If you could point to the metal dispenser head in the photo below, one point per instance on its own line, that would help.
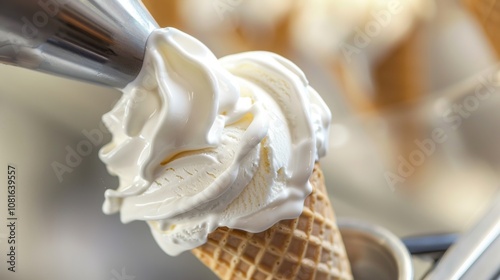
(97, 41)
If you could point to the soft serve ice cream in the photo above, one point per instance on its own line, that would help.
(200, 143)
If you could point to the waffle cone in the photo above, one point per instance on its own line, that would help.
(487, 13)
(166, 13)
(308, 247)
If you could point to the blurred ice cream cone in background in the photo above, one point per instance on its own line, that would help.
(391, 82)
(320, 30)
(166, 13)
(400, 84)
(399, 77)
(487, 13)
(372, 47)
(276, 40)
(378, 59)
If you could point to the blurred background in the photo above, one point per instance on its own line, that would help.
(412, 84)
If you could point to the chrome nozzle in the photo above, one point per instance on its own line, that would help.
(97, 41)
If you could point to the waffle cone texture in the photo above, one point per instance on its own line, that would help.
(308, 247)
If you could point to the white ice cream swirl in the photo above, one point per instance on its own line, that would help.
(200, 143)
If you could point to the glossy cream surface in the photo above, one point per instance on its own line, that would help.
(200, 143)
